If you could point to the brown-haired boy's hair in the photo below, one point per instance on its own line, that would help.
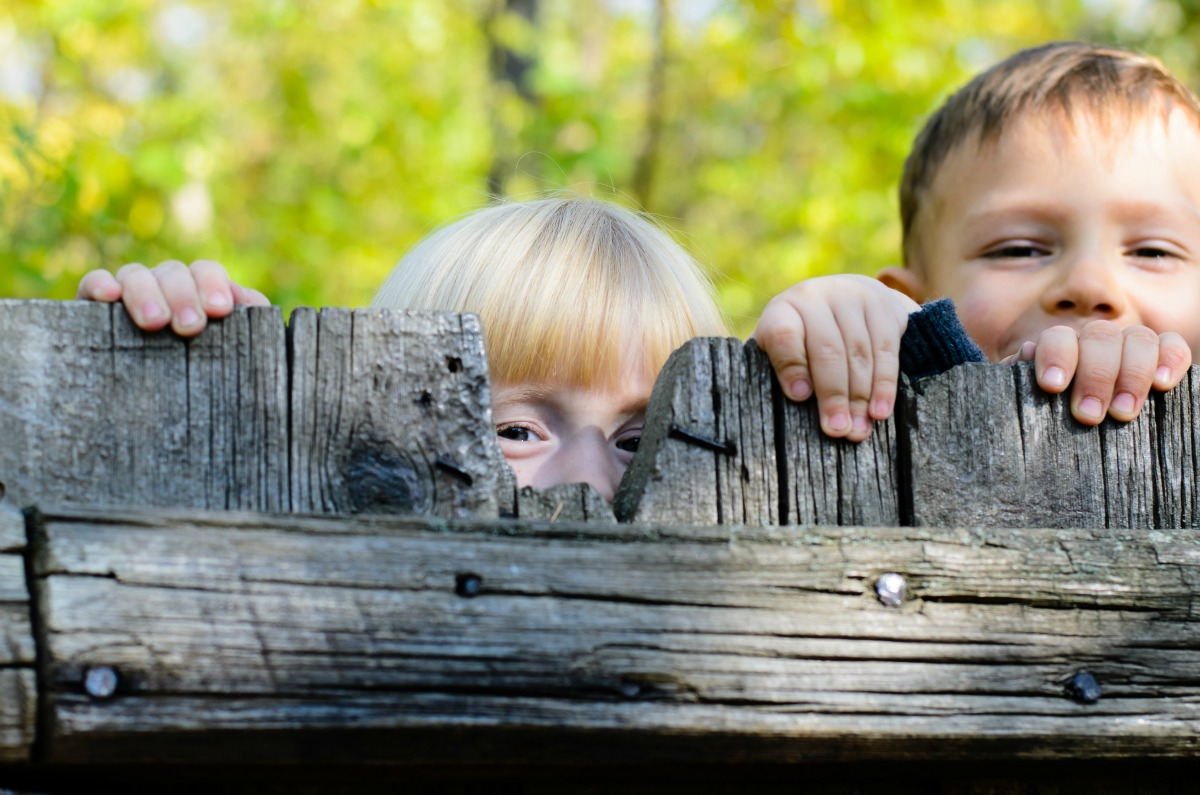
(1107, 80)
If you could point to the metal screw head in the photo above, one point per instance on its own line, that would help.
(100, 682)
(468, 584)
(890, 589)
(1084, 688)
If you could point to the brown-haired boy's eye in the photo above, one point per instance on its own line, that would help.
(1015, 252)
(630, 444)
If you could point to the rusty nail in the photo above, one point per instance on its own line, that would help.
(890, 589)
(100, 682)
(468, 584)
(1084, 688)
(728, 448)
(448, 464)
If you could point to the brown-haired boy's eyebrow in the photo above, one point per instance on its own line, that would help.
(1013, 211)
(1135, 211)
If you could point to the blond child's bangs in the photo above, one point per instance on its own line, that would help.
(572, 292)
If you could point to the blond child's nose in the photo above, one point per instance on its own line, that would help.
(581, 461)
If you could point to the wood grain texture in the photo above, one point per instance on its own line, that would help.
(756, 644)
(833, 481)
(708, 452)
(94, 412)
(18, 694)
(391, 413)
(566, 502)
(988, 447)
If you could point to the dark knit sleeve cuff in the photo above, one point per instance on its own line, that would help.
(935, 341)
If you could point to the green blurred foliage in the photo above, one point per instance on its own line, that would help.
(307, 145)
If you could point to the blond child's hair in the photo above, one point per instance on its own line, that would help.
(1113, 84)
(567, 289)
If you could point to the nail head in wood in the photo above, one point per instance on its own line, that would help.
(468, 584)
(1084, 688)
(100, 681)
(728, 448)
(890, 589)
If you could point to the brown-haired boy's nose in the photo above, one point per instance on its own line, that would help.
(1086, 288)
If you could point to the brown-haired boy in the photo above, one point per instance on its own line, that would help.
(1056, 199)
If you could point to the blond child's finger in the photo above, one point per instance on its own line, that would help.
(852, 319)
(214, 287)
(1174, 359)
(1055, 357)
(1100, 347)
(98, 285)
(143, 297)
(1139, 359)
(182, 296)
(780, 334)
(244, 296)
(830, 369)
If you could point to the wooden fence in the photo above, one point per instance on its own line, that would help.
(983, 579)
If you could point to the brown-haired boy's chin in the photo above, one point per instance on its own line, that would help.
(906, 281)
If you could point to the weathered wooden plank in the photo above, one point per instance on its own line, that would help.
(707, 455)
(767, 642)
(988, 447)
(391, 413)
(567, 502)
(18, 694)
(833, 481)
(94, 412)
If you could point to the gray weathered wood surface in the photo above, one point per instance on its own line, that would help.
(768, 644)
(984, 446)
(391, 413)
(18, 691)
(95, 412)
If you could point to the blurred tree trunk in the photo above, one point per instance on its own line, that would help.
(508, 64)
(644, 170)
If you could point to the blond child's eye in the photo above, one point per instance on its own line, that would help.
(630, 443)
(516, 433)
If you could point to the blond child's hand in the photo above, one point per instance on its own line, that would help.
(838, 337)
(1113, 367)
(184, 296)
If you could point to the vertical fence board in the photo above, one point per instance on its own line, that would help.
(18, 693)
(94, 412)
(832, 481)
(708, 453)
(990, 448)
(391, 413)
(1178, 454)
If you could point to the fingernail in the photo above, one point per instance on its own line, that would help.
(1055, 377)
(861, 425)
(880, 409)
(839, 421)
(1163, 374)
(1124, 402)
(151, 311)
(188, 317)
(800, 389)
(1090, 407)
(217, 301)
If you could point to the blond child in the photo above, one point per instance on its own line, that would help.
(1056, 199)
(581, 302)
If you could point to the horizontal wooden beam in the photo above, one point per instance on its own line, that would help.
(270, 636)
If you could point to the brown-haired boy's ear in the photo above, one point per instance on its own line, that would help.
(905, 281)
